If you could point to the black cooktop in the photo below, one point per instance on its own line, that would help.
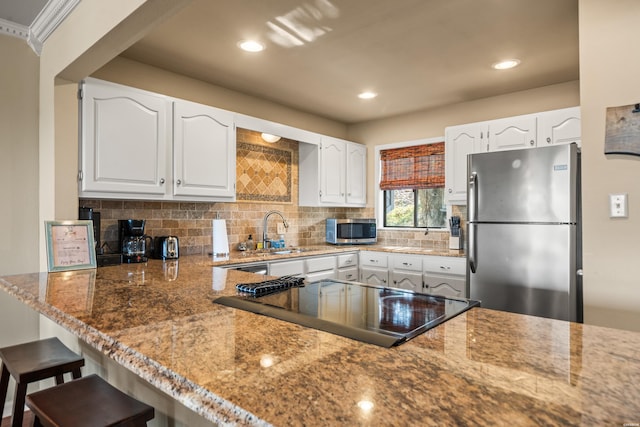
(380, 316)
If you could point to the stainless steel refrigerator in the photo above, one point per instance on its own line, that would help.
(524, 240)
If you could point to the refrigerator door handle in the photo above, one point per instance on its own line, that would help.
(473, 217)
(473, 263)
(473, 197)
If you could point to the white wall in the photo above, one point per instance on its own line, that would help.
(609, 64)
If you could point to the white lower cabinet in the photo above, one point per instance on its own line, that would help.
(374, 268)
(406, 272)
(445, 276)
(285, 268)
(348, 267)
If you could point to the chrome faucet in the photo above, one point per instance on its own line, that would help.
(264, 225)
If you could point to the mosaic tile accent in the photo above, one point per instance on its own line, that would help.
(263, 174)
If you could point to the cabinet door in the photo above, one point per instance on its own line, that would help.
(332, 170)
(512, 133)
(125, 141)
(461, 141)
(449, 286)
(560, 127)
(332, 302)
(204, 150)
(407, 280)
(356, 170)
(374, 276)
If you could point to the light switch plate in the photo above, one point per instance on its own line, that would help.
(618, 205)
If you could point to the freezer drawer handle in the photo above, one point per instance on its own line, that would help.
(473, 264)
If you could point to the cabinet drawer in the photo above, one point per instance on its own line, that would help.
(321, 264)
(286, 267)
(443, 264)
(406, 262)
(374, 259)
(348, 274)
(347, 260)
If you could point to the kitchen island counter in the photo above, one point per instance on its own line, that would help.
(483, 367)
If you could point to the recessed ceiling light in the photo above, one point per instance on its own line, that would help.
(367, 95)
(251, 46)
(506, 64)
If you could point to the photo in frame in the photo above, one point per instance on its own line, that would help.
(70, 245)
(622, 135)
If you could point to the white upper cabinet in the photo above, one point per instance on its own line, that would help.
(459, 142)
(513, 133)
(560, 127)
(204, 147)
(333, 170)
(133, 147)
(333, 173)
(126, 143)
(356, 185)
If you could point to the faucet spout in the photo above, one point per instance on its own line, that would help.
(264, 224)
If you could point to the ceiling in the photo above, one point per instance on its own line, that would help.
(21, 12)
(416, 54)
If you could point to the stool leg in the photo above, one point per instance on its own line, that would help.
(59, 379)
(18, 404)
(4, 385)
(36, 422)
(76, 374)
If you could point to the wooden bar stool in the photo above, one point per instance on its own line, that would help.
(89, 401)
(34, 361)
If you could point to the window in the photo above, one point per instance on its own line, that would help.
(412, 182)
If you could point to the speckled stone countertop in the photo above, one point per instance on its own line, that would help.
(483, 367)
(240, 257)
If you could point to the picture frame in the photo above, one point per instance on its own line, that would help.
(70, 245)
(622, 134)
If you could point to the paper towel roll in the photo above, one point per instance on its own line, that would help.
(220, 239)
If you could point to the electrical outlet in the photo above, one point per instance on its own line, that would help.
(280, 228)
(618, 205)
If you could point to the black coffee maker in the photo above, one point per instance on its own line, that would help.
(134, 244)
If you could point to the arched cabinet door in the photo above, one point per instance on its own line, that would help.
(204, 146)
(125, 140)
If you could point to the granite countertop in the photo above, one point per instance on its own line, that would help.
(241, 257)
(483, 367)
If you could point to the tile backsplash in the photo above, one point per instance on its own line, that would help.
(191, 221)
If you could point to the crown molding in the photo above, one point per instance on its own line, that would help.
(12, 29)
(52, 15)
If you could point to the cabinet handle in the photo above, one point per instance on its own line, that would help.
(161, 180)
(443, 267)
(178, 182)
(406, 263)
(373, 260)
(548, 140)
(384, 280)
(450, 191)
(532, 142)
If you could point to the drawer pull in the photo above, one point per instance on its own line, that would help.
(443, 267)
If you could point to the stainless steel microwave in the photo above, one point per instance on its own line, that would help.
(355, 231)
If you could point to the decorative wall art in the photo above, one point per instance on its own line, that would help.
(70, 245)
(263, 174)
(622, 134)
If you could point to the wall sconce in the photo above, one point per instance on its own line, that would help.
(270, 138)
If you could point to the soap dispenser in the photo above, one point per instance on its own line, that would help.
(250, 245)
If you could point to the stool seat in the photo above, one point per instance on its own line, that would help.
(34, 361)
(88, 401)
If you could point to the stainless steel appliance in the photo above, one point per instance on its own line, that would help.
(376, 315)
(135, 245)
(524, 245)
(166, 247)
(356, 231)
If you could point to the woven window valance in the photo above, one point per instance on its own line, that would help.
(420, 166)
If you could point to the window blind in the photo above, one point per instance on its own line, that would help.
(417, 167)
